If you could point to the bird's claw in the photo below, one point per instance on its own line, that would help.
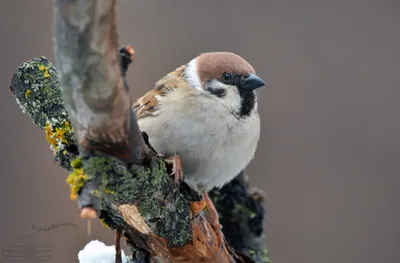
(177, 170)
(213, 218)
(220, 237)
(218, 232)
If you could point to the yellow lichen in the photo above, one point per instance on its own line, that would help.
(104, 223)
(107, 191)
(54, 137)
(49, 134)
(46, 70)
(76, 163)
(27, 93)
(96, 193)
(67, 126)
(77, 178)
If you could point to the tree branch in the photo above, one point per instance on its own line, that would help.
(111, 168)
(89, 71)
(241, 213)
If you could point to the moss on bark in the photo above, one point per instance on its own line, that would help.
(162, 206)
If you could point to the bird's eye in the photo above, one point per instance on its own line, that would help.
(226, 76)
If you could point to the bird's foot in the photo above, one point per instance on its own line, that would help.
(177, 170)
(213, 218)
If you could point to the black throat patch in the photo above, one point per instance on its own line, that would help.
(248, 98)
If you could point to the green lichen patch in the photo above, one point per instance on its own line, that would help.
(38, 92)
(258, 254)
(165, 210)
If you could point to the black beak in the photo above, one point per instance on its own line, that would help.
(253, 82)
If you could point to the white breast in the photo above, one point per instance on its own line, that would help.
(214, 144)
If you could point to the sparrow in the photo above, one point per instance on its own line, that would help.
(206, 113)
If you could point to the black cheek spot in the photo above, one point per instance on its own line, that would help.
(218, 92)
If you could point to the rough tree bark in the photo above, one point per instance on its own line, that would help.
(114, 174)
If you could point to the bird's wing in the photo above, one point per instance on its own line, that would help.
(148, 105)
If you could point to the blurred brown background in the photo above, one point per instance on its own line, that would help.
(328, 159)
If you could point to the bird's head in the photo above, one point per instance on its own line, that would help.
(226, 76)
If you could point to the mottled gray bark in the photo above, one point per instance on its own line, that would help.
(86, 52)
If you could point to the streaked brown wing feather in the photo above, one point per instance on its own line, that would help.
(149, 103)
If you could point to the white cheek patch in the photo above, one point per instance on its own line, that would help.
(231, 98)
(192, 76)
